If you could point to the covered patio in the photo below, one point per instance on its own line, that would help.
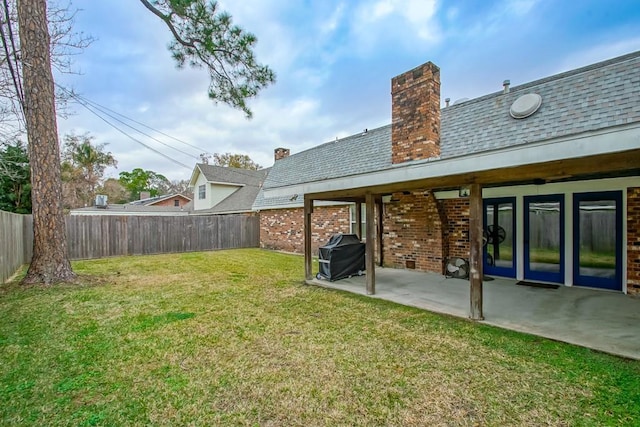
(604, 321)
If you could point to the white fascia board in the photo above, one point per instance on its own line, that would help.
(194, 176)
(228, 184)
(575, 146)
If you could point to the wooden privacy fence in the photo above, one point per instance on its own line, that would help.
(101, 236)
(104, 236)
(16, 242)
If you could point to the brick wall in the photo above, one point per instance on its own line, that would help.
(171, 202)
(633, 241)
(283, 229)
(457, 229)
(415, 114)
(413, 232)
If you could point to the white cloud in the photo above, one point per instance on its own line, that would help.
(402, 22)
(597, 53)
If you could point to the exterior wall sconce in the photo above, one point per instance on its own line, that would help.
(464, 192)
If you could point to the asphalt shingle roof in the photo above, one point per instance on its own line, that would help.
(232, 175)
(353, 155)
(595, 97)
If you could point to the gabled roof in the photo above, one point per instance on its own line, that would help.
(228, 175)
(592, 98)
(153, 200)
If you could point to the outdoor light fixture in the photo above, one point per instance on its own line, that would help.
(464, 192)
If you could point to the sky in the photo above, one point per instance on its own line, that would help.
(334, 61)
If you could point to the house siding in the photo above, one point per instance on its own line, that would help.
(633, 241)
(282, 229)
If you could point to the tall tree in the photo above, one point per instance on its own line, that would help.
(114, 190)
(139, 180)
(203, 36)
(15, 181)
(50, 263)
(241, 161)
(180, 186)
(206, 37)
(83, 166)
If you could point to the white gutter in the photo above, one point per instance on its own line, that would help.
(570, 147)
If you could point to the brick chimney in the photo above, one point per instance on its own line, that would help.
(280, 153)
(415, 114)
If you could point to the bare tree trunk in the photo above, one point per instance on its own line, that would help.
(50, 263)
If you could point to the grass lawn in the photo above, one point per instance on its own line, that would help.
(235, 338)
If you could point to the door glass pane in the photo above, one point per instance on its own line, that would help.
(544, 236)
(597, 250)
(499, 230)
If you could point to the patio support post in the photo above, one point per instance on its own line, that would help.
(475, 249)
(358, 231)
(380, 230)
(369, 256)
(308, 210)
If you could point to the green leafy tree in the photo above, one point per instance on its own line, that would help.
(83, 166)
(241, 161)
(139, 180)
(114, 190)
(206, 37)
(15, 178)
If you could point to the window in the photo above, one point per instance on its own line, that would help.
(363, 224)
(176, 203)
(202, 192)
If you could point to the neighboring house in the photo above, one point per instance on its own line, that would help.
(548, 171)
(175, 200)
(224, 190)
(170, 205)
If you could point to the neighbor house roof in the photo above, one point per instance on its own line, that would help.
(227, 175)
(129, 209)
(153, 200)
(591, 98)
(249, 183)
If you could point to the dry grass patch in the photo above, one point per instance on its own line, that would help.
(235, 338)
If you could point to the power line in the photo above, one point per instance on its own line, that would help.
(85, 102)
(134, 139)
(141, 124)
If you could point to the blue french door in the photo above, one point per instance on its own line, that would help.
(597, 240)
(544, 238)
(499, 254)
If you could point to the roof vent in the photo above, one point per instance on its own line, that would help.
(525, 105)
(460, 101)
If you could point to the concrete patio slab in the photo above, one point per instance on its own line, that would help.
(600, 320)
